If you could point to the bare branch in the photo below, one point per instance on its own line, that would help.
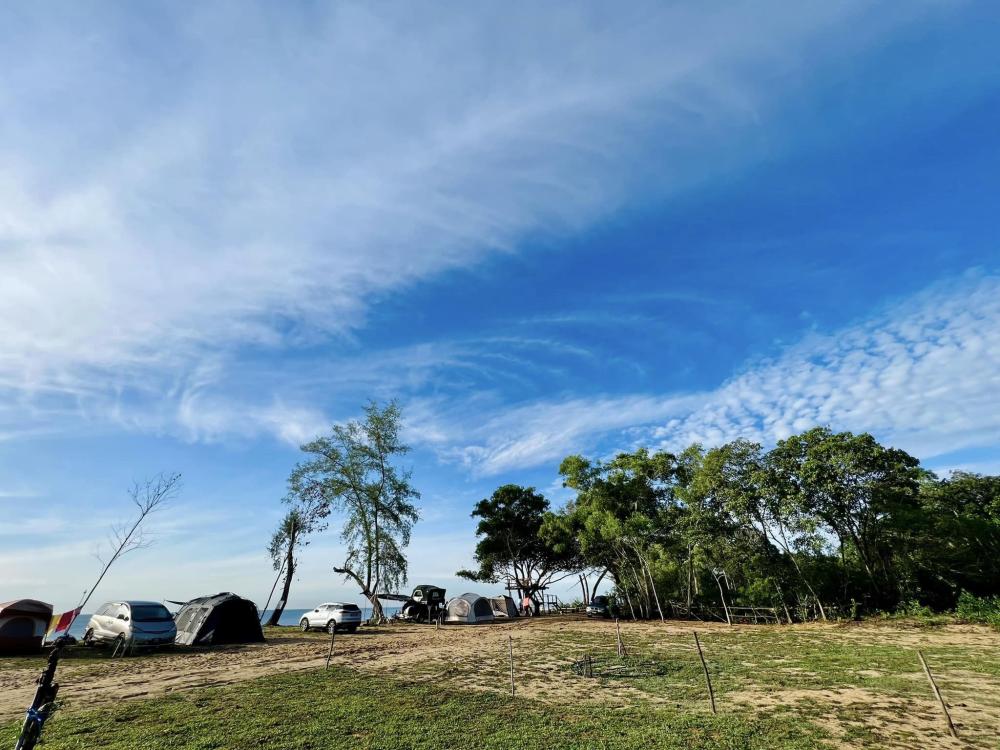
(148, 497)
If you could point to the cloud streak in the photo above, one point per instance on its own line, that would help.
(923, 374)
(255, 180)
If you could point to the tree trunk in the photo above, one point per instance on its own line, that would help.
(289, 572)
(690, 575)
(593, 589)
(378, 616)
(655, 595)
(725, 607)
(802, 577)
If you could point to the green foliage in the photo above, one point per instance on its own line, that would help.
(289, 536)
(511, 544)
(979, 609)
(823, 524)
(352, 472)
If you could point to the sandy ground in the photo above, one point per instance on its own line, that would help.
(475, 657)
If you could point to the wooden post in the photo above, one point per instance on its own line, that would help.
(729, 620)
(944, 706)
(621, 646)
(510, 645)
(704, 666)
(333, 637)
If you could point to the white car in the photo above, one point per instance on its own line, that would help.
(144, 623)
(332, 616)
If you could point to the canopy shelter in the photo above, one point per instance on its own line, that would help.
(423, 605)
(469, 609)
(22, 625)
(503, 606)
(213, 620)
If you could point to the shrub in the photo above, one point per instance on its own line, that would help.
(984, 610)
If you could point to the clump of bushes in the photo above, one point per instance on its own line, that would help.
(984, 610)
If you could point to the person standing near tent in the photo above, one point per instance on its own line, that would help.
(527, 606)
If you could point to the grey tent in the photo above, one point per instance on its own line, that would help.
(503, 606)
(469, 609)
(223, 618)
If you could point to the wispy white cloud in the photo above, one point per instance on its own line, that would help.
(256, 179)
(536, 433)
(923, 374)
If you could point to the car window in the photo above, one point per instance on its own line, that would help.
(150, 613)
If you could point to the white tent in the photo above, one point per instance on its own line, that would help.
(469, 609)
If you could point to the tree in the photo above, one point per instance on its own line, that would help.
(352, 472)
(954, 539)
(289, 536)
(855, 488)
(510, 545)
(735, 478)
(625, 513)
(148, 497)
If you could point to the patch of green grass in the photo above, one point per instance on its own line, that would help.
(340, 708)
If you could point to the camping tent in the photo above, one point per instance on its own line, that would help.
(223, 618)
(469, 608)
(22, 625)
(503, 606)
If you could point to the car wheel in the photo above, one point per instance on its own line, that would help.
(331, 626)
(118, 645)
(304, 625)
(88, 637)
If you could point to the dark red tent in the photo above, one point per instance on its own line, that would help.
(23, 623)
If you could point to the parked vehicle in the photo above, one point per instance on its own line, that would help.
(144, 623)
(332, 616)
(425, 604)
(601, 606)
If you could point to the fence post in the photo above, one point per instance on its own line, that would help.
(944, 706)
(510, 645)
(704, 666)
(333, 637)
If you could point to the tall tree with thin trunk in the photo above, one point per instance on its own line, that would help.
(352, 472)
(288, 538)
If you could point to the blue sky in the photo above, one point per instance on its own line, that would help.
(545, 230)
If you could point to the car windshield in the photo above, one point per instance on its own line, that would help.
(150, 613)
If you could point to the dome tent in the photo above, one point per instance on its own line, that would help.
(22, 626)
(469, 609)
(223, 618)
(503, 606)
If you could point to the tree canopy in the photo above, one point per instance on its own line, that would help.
(823, 523)
(352, 472)
(511, 548)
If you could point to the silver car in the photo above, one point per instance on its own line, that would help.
(331, 616)
(144, 623)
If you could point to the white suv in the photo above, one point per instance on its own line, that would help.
(143, 623)
(331, 616)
